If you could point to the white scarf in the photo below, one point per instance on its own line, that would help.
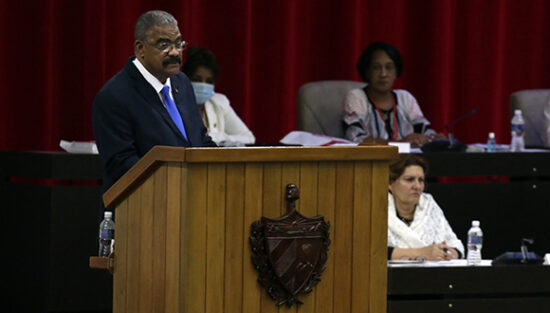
(409, 238)
(429, 226)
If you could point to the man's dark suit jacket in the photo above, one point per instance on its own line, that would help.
(129, 119)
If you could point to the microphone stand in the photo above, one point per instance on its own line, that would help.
(524, 251)
(451, 137)
(460, 118)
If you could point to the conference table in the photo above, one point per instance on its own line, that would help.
(55, 196)
(51, 206)
(430, 287)
(507, 192)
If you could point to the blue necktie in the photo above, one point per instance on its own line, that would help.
(173, 110)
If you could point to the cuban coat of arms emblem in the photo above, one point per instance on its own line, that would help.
(289, 252)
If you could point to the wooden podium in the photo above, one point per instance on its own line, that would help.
(183, 221)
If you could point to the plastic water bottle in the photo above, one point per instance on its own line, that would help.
(475, 242)
(106, 234)
(491, 143)
(518, 125)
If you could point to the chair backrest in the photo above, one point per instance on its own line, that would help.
(532, 103)
(320, 106)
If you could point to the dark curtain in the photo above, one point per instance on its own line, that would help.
(458, 55)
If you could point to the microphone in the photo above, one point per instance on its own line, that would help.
(519, 258)
(451, 144)
(456, 120)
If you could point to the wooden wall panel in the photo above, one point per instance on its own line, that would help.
(159, 239)
(120, 283)
(193, 239)
(326, 196)
(271, 205)
(343, 236)
(309, 184)
(272, 191)
(146, 249)
(175, 192)
(361, 236)
(379, 238)
(134, 248)
(307, 206)
(215, 237)
(252, 211)
(234, 203)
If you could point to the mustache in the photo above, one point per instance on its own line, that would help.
(171, 60)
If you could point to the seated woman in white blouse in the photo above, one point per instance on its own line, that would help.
(378, 113)
(223, 124)
(417, 228)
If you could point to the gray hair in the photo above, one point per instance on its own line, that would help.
(150, 19)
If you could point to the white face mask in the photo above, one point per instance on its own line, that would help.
(203, 91)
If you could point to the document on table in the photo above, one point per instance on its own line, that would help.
(450, 263)
(79, 146)
(298, 137)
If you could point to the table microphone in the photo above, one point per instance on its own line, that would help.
(519, 258)
(456, 120)
(451, 144)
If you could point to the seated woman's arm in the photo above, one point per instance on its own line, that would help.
(436, 252)
(422, 131)
(354, 114)
(234, 130)
(447, 234)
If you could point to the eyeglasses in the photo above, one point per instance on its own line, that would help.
(167, 46)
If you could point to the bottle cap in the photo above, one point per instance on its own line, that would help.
(492, 135)
(517, 112)
(475, 223)
(108, 214)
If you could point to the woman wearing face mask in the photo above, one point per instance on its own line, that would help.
(417, 227)
(377, 113)
(223, 124)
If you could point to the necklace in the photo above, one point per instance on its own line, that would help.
(407, 221)
(384, 117)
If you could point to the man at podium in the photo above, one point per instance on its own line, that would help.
(149, 102)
